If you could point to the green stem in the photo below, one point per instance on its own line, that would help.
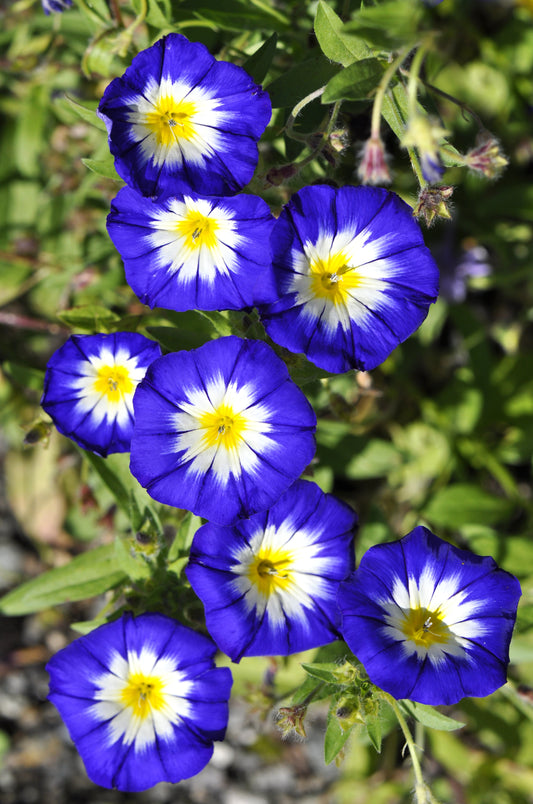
(423, 794)
(127, 35)
(289, 125)
(381, 90)
(414, 72)
(415, 164)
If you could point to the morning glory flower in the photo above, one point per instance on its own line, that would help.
(428, 621)
(55, 6)
(89, 386)
(192, 252)
(178, 120)
(142, 700)
(354, 276)
(221, 430)
(269, 583)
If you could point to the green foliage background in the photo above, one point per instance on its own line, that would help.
(441, 434)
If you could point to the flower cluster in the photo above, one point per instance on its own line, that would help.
(223, 431)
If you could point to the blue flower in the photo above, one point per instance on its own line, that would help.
(354, 276)
(428, 621)
(191, 252)
(142, 700)
(269, 584)
(55, 6)
(432, 167)
(221, 430)
(178, 120)
(89, 386)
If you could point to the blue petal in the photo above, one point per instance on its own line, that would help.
(408, 284)
(488, 598)
(250, 280)
(164, 468)
(61, 400)
(236, 627)
(245, 106)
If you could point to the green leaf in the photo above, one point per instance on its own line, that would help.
(111, 471)
(336, 736)
(84, 112)
(376, 459)
(324, 672)
(374, 730)
(155, 15)
(16, 278)
(302, 80)
(103, 167)
(258, 64)
(88, 575)
(334, 43)
(464, 503)
(389, 25)
(24, 376)
(395, 109)
(429, 716)
(355, 82)
(90, 318)
(133, 565)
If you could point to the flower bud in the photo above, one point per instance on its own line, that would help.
(487, 158)
(373, 167)
(433, 204)
(278, 175)
(291, 719)
(424, 135)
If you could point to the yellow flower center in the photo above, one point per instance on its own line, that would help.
(425, 627)
(198, 230)
(270, 570)
(223, 427)
(332, 278)
(143, 694)
(171, 120)
(113, 382)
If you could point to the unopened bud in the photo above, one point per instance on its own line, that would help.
(425, 135)
(37, 433)
(291, 719)
(487, 158)
(433, 203)
(278, 175)
(373, 167)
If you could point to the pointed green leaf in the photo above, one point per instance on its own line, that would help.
(336, 736)
(324, 672)
(85, 576)
(85, 113)
(302, 80)
(259, 63)
(356, 82)
(429, 716)
(334, 42)
(103, 167)
(395, 109)
(373, 728)
(465, 503)
(89, 317)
